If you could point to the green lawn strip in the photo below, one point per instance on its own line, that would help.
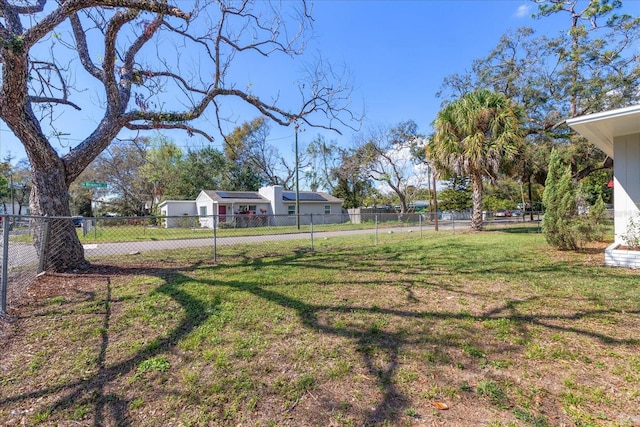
(104, 233)
(353, 333)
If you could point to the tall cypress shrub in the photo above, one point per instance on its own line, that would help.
(593, 226)
(561, 209)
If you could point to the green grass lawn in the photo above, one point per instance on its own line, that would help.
(497, 325)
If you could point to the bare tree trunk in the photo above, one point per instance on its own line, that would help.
(403, 203)
(476, 215)
(50, 195)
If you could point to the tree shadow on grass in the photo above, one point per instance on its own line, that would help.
(108, 408)
(91, 390)
(516, 230)
(375, 341)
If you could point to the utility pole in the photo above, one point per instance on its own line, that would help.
(297, 183)
(435, 201)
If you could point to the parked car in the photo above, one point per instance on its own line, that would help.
(77, 220)
(503, 213)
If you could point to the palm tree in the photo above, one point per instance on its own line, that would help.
(473, 137)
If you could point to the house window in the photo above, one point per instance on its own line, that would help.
(327, 209)
(292, 209)
(203, 211)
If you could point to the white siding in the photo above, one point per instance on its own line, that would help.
(204, 202)
(626, 184)
(176, 208)
(274, 195)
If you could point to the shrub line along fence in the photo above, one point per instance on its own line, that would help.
(193, 237)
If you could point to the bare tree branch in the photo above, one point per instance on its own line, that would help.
(137, 92)
(70, 7)
(43, 99)
(190, 130)
(25, 10)
(115, 98)
(83, 48)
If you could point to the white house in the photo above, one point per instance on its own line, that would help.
(268, 206)
(283, 205)
(174, 209)
(239, 207)
(617, 133)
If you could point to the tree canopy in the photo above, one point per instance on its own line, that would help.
(128, 58)
(591, 65)
(473, 136)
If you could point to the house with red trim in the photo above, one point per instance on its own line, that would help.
(271, 206)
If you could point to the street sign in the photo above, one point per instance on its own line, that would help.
(94, 184)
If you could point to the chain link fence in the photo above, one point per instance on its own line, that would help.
(20, 260)
(32, 245)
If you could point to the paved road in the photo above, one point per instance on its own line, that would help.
(158, 245)
(23, 260)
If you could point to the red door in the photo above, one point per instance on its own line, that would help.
(222, 211)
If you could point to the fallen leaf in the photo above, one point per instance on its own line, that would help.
(440, 405)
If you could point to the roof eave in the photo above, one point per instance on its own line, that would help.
(602, 128)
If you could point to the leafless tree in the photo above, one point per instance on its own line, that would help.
(387, 157)
(145, 64)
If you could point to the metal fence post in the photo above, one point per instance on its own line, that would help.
(311, 220)
(215, 237)
(44, 241)
(376, 222)
(4, 285)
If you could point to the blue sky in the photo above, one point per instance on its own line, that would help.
(397, 53)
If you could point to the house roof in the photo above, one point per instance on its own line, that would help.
(236, 197)
(164, 202)
(309, 197)
(601, 128)
(254, 197)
